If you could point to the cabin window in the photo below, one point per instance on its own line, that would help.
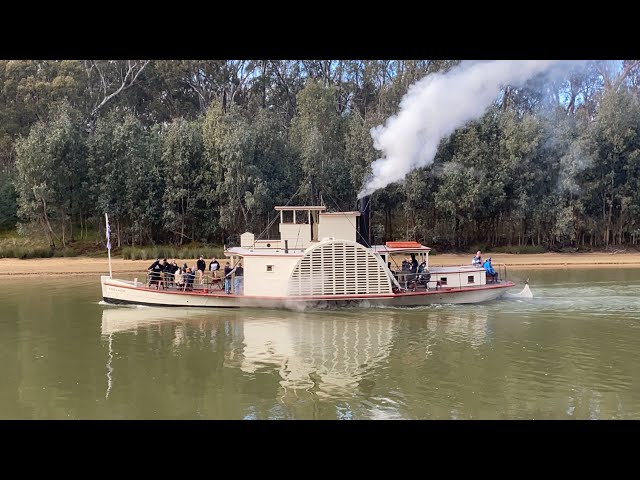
(302, 217)
(269, 268)
(287, 216)
(470, 279)
(443, 280)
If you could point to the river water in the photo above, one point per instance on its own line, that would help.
(571, 352)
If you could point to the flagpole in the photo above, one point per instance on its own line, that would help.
(106, 219)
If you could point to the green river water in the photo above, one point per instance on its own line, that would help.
(571, 352)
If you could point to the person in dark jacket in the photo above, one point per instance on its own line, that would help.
(188, 279)
(238, 282)
(214, 268)
(414, 263)
(227, 278)
(201, 266)
(167, 277)
(154, 273)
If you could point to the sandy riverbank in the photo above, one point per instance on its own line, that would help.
(99, 266)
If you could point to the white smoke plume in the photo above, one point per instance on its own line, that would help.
(435, 106)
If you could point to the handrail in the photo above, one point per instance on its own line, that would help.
(500, 268)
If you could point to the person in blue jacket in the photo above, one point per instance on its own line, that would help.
(490, 271)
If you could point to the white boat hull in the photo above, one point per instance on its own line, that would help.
(126, 292)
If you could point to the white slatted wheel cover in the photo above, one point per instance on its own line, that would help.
(339, 267)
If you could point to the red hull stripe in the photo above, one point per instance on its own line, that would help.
(322, 297)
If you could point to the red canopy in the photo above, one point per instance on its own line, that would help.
(403, 245)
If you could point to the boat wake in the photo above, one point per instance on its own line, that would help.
(525, 293)
(113, 305)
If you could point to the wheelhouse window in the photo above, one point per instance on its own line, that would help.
(443, 280)
(269, 268)
(287, 216)
(471, 279)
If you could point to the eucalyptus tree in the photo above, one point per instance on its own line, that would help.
(276, 168)
(120, 164)
(31, 87)
(317, 137)
(559, 208)
(145, 184)
(281, 81)
(207, 81)
(187, 181)
(109, 172)
(51, 171)
(28, 89)
(107, 79)
(386, 203)
(242, 191)
(8, 204)
(613, 178)
(522, 170)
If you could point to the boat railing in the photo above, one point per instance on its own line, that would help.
(166, 281)
(430, 280)
(268, 244)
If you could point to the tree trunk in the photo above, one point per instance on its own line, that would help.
(182, 222)
(62, 219)
(49, 230)
(264, 85)
(608, 227)
(621, 229)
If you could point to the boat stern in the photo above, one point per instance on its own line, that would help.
(103, 280)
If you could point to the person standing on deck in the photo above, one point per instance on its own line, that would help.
(154, 273)
(227, 278)
(166, 274)
(214, 268)
(414, 263)
(477, 260)
(188, 279)
(173, 269)
(238, 284)
(177, 277)
(201, 266)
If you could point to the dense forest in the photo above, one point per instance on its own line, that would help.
(182, 151)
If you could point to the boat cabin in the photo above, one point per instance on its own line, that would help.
(318, 254)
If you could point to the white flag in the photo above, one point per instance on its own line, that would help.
(108, 232)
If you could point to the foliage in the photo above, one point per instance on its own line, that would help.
(8, 204)
(188, 252)
(188, 151)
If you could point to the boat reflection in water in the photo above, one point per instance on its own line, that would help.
(325, 350)
(132, 318)
(329, 352)
(330, 355)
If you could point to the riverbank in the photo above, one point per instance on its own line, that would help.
(100, 266)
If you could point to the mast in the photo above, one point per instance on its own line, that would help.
(108, 230)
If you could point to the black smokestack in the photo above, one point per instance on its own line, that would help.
(364, 221)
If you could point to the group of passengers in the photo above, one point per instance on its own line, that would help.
(476, 261)
(168, 274)
(420, 273)
(411, 266)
